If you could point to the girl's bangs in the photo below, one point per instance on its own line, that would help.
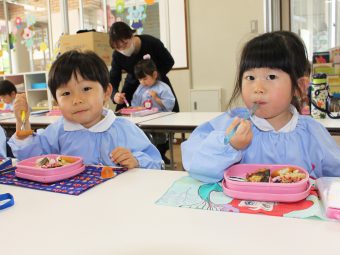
(266, 56)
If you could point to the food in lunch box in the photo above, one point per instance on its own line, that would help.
(46, 162)
(261, 175)
(287, 175)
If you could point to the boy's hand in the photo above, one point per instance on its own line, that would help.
(20, 104)
(119, 98)
(123, 157)
(153, 94)
(243, 135)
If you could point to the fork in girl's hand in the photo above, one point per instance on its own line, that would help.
(232, 132)
(23, 120)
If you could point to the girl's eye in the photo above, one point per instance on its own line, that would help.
(65, 94)
(87, 88)
(249, 78)
(271, 77)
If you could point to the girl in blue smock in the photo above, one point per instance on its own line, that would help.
(272, 72)
(79, 82)
(153, 93)
(151, 88)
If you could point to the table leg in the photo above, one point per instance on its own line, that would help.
(171, 148)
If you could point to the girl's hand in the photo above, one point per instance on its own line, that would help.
(119, 98)
(122, 156)
(243, 135)
(20, 104)
(153, 94)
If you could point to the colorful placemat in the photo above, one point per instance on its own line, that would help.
(190, 193)
(72, 186)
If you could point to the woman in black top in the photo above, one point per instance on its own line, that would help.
(129, 49)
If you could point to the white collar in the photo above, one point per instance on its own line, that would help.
(264, 125)
(101, 126)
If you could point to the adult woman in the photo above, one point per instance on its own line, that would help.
(129, 49)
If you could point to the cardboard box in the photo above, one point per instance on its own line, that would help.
(95, 41)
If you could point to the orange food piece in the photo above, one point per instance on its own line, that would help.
(22, 134)
(69, 159)
(107, 172)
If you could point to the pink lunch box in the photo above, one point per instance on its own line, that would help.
(27, 169)
(264, 191)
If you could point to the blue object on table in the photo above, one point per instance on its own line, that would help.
(6, 162)
(232, 132)
(9, 203)
(41, 85)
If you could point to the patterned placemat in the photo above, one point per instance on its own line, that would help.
(76, 185)
(189, 193)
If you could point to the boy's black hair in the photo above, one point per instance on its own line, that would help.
(7, 87)
(87, 64)
(282, 50)
(145, 67)
(119, 31)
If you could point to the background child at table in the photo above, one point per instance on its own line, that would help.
(272, 71)
(8, 92)
(79, 83)
(160, 94)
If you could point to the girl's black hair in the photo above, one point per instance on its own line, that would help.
(282, 50)
(7, 87)
(86, 64)
(119, 31)
(145, 67)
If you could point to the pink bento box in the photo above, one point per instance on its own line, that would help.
(27, 169)
(264, 191)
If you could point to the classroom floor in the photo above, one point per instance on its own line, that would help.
(178, 155)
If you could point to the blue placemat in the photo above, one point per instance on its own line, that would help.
(72, 186)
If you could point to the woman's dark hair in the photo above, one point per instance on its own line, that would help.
(282, 50)
(119, 31)
(86, 64)
(145, 67)
(7, 87)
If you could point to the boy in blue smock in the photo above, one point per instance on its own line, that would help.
(79, 82)
(273, 72)
(153, 93)
(8, 92)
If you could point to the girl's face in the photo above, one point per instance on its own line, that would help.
(272, 90)
(149, 80)
(81, 101)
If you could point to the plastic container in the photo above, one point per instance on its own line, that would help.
(27, 169)
(41, 85)
(241, 170)
(267, 196)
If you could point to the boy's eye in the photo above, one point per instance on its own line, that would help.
(271, 77)
(249, 78)
(87, 88)
(66, 93)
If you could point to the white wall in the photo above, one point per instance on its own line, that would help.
(216, 33)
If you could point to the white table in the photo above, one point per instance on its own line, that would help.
(332, 125)
(181, 122)
(121, 217)
(137, 120)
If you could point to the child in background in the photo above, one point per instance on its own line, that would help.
(153, 93)
(79, 83)
(8, 92)
(272, 71)
(3, 142)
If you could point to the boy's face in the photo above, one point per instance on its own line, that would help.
(81, 101)
(9, 98)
